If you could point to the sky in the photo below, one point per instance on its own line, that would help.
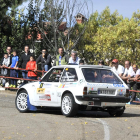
(124, 7)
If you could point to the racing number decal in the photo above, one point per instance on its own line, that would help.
(40, 90)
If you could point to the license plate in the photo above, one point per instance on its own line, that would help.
(106, 92)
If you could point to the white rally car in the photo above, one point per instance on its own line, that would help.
(75, 87)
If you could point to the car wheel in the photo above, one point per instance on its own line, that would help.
(69, 107)
(116, 113)
(21, 101)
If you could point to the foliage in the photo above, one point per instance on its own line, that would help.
(111, 36)
(105, 35)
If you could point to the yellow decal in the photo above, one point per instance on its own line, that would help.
(40, 90)
(66, 69)
(60, 86)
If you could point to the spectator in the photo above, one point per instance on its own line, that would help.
(31, 65)
(74, 59)
(81, 62)
(61, 58)
(45, 60)
(107, 62)
(128, 70)
(25, 57)
(5, 63)
(8, 50)
(101, 62)
(13, 72)
(134, 76)
(119, 69)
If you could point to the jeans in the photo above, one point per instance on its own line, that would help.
(46, 67)
(3, 73)
(25, 76)
(13, 73)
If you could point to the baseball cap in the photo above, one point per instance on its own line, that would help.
(115, 61)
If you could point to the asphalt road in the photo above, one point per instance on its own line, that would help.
(52, 125)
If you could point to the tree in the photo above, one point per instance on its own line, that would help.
(6, 20)
(110, 36)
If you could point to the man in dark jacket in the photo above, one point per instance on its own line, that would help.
(25, 57)
(45, 60)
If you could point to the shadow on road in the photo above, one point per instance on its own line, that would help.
(88, 114)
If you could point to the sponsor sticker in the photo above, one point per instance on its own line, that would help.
(91, 88)
(63, 86)
(40, 90)
(67, 85)
(100, 85)
(47, 85)
(46, 97)
(41, 85)
(120, 91)
(118, 85)
(60, 86)
(81, 81)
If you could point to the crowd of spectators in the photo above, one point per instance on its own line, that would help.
(129, 73)
(29, 65)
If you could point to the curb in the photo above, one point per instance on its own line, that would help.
(134, 103)
(7, 92)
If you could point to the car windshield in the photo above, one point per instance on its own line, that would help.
(100, 76)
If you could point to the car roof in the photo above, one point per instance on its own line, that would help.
(83, 66)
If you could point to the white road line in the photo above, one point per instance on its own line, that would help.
(106, 130)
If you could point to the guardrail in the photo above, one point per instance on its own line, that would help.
(41, 71)
(6, 77)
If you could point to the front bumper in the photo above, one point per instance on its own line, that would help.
(100, 99)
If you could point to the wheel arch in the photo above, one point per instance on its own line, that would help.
(21, 90)
(68, 91)
(65, 92)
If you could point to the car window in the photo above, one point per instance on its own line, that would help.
(53, 76)
(69, 75)
(100, 76)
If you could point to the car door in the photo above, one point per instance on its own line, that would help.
(47, 90)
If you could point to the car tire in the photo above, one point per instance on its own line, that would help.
(116, 113)
(21, 101)
(69, 107)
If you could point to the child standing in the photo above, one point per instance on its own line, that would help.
(13, 72)
(31, 65)
(5, 63)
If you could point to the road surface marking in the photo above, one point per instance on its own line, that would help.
(106, 130)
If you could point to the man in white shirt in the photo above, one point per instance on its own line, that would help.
(119, 69)
(74, 59)
(128, 70)
(134, 76)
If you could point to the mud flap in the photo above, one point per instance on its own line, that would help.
(30, 107)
